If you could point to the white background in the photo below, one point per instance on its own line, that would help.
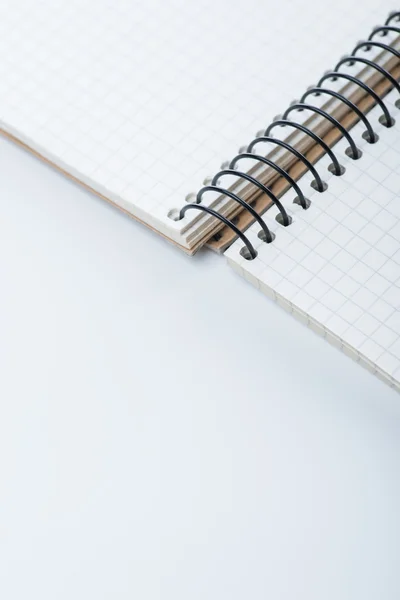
(168, 433)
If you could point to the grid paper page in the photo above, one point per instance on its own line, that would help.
(337, 266)
(142, 101)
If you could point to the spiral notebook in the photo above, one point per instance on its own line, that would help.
(152, 106)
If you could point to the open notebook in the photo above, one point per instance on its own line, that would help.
(155, 107)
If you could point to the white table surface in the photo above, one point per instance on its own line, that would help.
(168, 433)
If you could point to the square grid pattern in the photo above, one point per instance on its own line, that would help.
(143, 100)
(337, 266)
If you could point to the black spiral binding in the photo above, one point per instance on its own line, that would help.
(284, 216)
(371, 136)
(318, 184)
(350, 60)
(252, 252)
(336, 168)
(268, 236)
(393, 15)
(333, 76)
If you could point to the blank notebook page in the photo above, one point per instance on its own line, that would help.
(142, 101)
(337, 266)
